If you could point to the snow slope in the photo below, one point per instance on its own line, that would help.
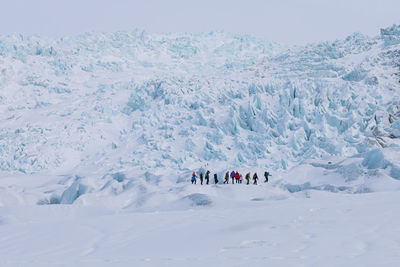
(110, 126)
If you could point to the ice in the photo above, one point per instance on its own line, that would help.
(119, 177)
(391, 35)
(118, 122)
(395, 172)
(395, 128)
(355, 75)
(375, 159)
(73, 192)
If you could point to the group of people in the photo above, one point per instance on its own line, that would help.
(235, 176)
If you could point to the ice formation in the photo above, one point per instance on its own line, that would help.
(107, 113)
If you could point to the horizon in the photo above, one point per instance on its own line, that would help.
(286, 22)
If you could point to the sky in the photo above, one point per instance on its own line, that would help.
(283, 21)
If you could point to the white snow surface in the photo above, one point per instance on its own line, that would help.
(325, 229)
(100, 134)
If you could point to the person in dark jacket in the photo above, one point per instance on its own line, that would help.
(226, 178)
(215, 178)
(248, 178)
(201, 177)
(233, 177)
(255, 178)
(207, 177)
(266, 174)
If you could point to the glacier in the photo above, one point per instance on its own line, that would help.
(101, 104)
(101, 132)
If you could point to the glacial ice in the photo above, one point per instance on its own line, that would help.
(73, 192)
(128, 104)
(375, 159)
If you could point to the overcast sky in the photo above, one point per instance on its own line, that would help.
(285, 21)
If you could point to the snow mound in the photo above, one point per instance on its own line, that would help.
(372, 171)
(198, 199)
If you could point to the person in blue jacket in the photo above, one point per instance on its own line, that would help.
(266, 175)
(194, 178)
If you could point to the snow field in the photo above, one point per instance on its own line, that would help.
(325, 229)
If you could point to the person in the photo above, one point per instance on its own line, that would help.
(207, 177)
(201, 177)
(215, 178)
(237, 177)
(240, 178)
(194, 178)
(226, 178)
(233, 177)
(248, 178)
(255, 178)
(266, 174)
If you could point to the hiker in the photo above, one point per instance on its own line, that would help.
(215, 178)
(233, 177)
(207, 177)
(201, 177)
(237, 177)
(248, 178)
(266, 174)
(240, 178)
(194, 178)
(255, 178)
(226, 178)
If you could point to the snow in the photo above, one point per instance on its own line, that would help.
(325, 229)
(101, 133)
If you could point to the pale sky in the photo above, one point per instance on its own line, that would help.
(284, 21)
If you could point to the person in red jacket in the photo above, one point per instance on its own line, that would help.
(194, 178)
(237, 177)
